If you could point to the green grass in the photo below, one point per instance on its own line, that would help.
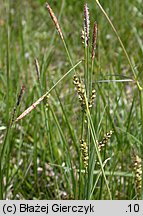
(40, 154)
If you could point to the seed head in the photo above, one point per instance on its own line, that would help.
(80, 88)
(54, 20)
(84, 152)
(93, 96)
(138, 174)
(105, 140)
(86, 24)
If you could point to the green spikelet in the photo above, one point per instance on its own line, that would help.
(82, 36)
(84, 152)
(80, 88)
(138, 174)
(47, 102)
(105, 140)
(91, 101)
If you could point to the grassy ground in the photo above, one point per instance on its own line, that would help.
(40, 154)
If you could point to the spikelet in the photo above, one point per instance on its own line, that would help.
(37, 68)
(84, 152)
(82, 36)
(20, 95)
(55, 20)
(47, 102)
(138, 174)
(80, 88)
(17, 103)
(91, 101)
(86, 24)
(105, 140)
(94, 38)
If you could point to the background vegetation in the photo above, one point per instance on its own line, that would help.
(40, 154)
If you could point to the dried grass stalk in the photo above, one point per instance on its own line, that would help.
(33, 106)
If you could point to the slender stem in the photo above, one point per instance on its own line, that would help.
(68, 54)
(82, 125)
(92, 66)
(93, 135)
(73, 67)
(121, 43)
(7, 60)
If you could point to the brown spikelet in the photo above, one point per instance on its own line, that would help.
(138, 174)
(84, 152)
(94, 38)
(20, 95)
(86, 24)
(105, 140)
(80, 88)
(54, 20)
(18, 102)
